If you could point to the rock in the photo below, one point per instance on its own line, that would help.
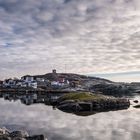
(36, 137)
(18, 138)
(18, 135)
(85, 102)
(135, 101)
(4, 131)
(4, 137)
(1, 132)
(69, 107)
(97, 106)
(67, 101)
(21, 134)
(136, 106)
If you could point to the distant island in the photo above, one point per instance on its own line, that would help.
(68, 82)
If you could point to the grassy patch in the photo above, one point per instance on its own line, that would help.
(82, 96)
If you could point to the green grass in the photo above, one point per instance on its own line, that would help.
(82, 96)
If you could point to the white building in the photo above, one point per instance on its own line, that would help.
(40, 79)
(28, 78)
(9, 83)
(32, 84)
(29, 81)
(60, 83)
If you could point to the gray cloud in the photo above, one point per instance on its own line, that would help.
(85, 35)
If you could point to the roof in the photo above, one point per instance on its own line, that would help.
(27, 76)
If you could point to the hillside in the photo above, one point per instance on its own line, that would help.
(72, 77)
(89, 83)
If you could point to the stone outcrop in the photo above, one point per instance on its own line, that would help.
(136, 106)
(135, 101)
(18, 135)
(96, 105)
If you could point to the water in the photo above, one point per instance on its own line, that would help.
(57, 125)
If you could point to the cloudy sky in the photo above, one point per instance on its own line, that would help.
(81, 36)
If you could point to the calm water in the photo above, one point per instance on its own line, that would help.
(57, 125)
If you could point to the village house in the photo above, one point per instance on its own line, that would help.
(19, 83)
(12, 83)
(9, 83)
(28, 78)
(29, 81)
(60, 83)
(40, 79)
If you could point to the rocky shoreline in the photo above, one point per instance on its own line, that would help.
(91, 103)
(6, 134)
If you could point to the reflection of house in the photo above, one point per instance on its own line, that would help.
(31, 99)
(27, 100)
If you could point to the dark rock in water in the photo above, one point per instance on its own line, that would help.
(136, 106)
(36, 137)
(69, 107)
(19, 134)
(96, 106)
(4, 137)
(135, 101)
(91, 104)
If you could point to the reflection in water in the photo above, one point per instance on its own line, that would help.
(29, 99)
(57, 125)
(70, 106)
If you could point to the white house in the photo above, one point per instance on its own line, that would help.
(40, 79)
(9, 83)
(55, 83)
(61, 82)
(29, 81)
(32, 84)
(19, 83)
(28, 78)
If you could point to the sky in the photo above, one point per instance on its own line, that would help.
(127, 77)
(77, 36)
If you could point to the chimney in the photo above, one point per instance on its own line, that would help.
(54, 71)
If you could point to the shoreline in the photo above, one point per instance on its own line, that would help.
(28, 90)
(6, 134)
